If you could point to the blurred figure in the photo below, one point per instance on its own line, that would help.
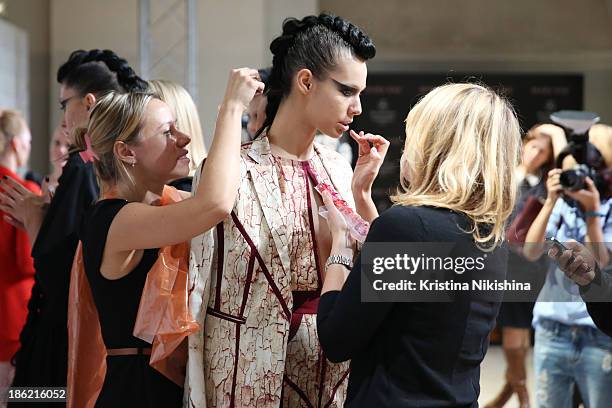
(569, 349)
(538, 157)
(59, 148)
(187, 120)
(16, 266)
(42, 359)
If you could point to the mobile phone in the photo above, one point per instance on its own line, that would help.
(558, 245)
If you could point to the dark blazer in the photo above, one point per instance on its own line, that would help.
(411, 354)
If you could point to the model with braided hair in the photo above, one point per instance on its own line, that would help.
(84, 78)
(257, 277)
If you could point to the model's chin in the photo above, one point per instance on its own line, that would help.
(335, 132)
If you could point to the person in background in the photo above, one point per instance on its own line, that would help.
(514, 319)
(187, 121)
(569, 349)
(16, 266)
(59, 149)
(42, 359)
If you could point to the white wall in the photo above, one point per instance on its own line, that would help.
(562, 36)
(32, 16)
(235, 34)
(100, 24)
(14, 68)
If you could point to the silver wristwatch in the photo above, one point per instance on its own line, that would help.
(343, 260)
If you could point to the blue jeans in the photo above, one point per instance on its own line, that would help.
(566, 355)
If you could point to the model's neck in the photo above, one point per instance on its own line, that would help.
(290, 135)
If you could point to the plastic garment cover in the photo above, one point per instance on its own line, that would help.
(163, 319)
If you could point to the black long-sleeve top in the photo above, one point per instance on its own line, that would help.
(598, 298)
(410, 354)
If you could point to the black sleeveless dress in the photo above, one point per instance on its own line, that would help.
(130, 380)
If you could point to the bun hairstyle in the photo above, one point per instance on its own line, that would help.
(12, 123)
(315, 43)
(116, 117)
(98, 72)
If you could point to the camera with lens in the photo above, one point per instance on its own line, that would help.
(591, 163)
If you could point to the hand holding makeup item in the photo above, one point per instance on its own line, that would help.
(357, 226)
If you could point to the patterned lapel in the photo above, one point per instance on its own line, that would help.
(337, 170)
(265, 180)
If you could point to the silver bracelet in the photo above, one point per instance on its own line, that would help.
(343, 260)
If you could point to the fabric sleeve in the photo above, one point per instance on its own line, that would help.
(598, 298)
(23, 247)
(76, 191)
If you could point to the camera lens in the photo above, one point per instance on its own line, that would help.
(573, 180)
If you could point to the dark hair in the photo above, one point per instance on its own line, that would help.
(264, 74)
(315, 43)
(98, 72)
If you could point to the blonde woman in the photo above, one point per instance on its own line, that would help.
(458, 185)
(187, 120)
(136, 147)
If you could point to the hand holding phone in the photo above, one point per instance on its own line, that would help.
(557, 248)
(578, 264)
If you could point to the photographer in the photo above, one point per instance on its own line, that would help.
(569, 349)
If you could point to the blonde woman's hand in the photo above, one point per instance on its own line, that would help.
(553, 185)
(372, 152)
(242, 86)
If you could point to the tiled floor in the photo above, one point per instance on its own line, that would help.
(492, 377)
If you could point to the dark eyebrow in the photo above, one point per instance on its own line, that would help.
(345, 86)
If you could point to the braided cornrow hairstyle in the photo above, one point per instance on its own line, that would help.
(315, 43)
(99, 71)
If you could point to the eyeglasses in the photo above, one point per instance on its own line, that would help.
(64, 102)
